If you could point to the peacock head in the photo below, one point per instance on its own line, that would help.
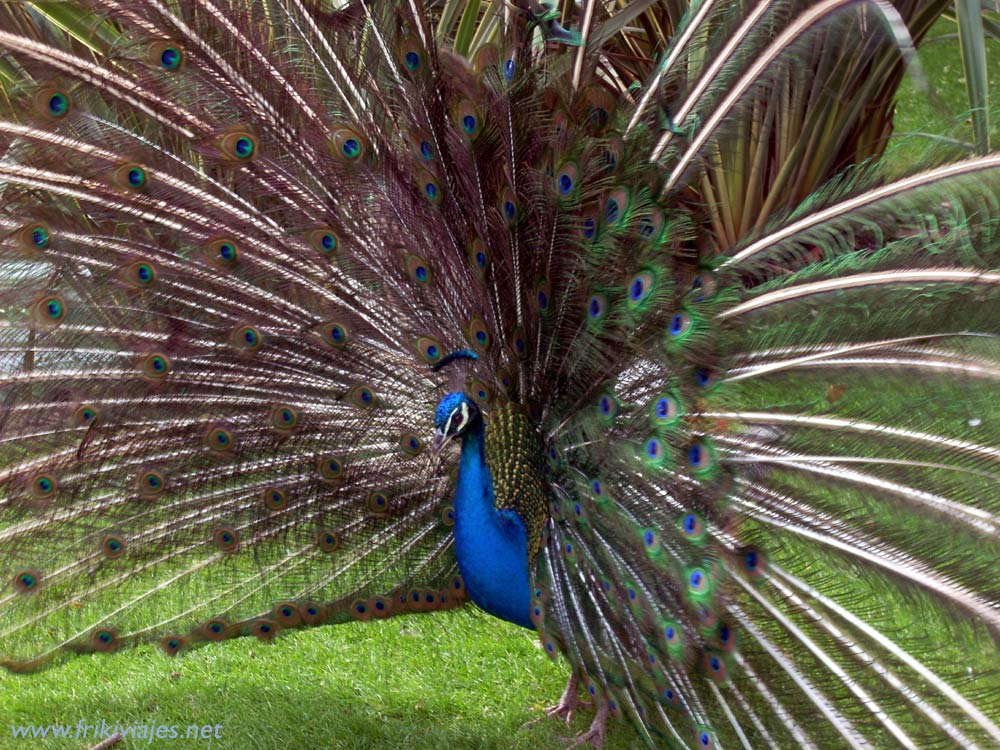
(455, 414)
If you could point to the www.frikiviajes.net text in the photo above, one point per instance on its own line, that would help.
(102, 730)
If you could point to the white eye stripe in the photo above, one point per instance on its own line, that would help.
(465, 417)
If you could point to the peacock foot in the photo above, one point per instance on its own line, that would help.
(595, 733)
(567, 706)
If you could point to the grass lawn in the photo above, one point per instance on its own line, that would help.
(456, 680)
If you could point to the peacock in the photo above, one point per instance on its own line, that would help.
(607, 318)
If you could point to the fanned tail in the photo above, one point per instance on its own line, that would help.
(776, 507)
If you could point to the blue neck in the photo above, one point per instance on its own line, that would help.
(491, 545)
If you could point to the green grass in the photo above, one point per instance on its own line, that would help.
(454, 680)
(921, 118)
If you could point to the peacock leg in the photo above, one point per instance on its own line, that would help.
(567, 705)
(569, 702)
(595, 733)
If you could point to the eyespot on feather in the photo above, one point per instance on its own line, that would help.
(699, 583)
(284, 418)
(51, 103)
(519, 342)
(509, 208)
(155, 366)
(587, 226)
(430, 349)
(508, 66)
(328, 541)
(705, 378)
(363, 396)
(49, 311)
(597, 309)
(753, 562)
(274, 499)
(222, 252)
(701, 457)
(348, 146)
(600, 108)
(478, 334)
(616, 206)
(423, 146)
(113, 546)
(479, 257)
(104, 640)
(607, 408)
(504, 380)
(479, 391)
(671, 637)
(611, 155)
(264, 630)
(139, 274)
(649, 228)
(692, 527)
(468, 119)
(704, 738)
(34, 237)
(417, 269)
(43, 485)
(286, 614)
(151, 483)
(312, 613)
(679, 326)
(665, 410)
(654, 452)
(550, 645)
(27, 581)
(216, 630)
(85, 415)
(562, 126)
(703, 286)
(411, 55)
(411, 444)
(245, 338)
(237, 145)
(542, 301)
(429, 186)
(171, 645)
(219, 439)
(378, 503)
(640, 289)
(324, 241)
(567, 180)
(361, 611)
(727, 637)
(335, 334)
(330, 468)
(652, 542)
(226, 538)
(130, 176)
(165, 55)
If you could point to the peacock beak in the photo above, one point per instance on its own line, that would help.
(439, 442)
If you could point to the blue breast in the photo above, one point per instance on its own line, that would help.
(491, 545)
